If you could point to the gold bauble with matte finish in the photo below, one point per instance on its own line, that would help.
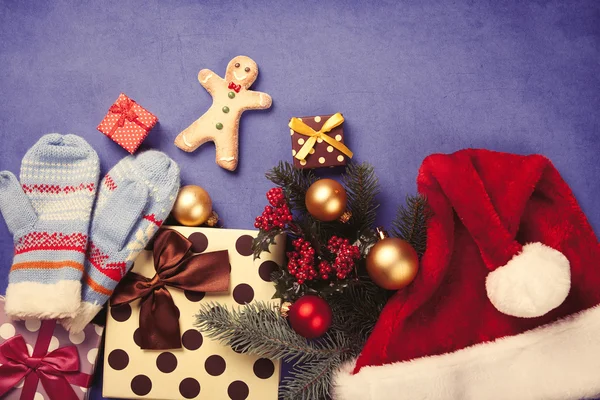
(193, 206)
(392, 263)
(326, 200)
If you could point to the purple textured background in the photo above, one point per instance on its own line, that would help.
(411, 77)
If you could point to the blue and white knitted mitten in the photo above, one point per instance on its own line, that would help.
(134, 198)
(48, 214)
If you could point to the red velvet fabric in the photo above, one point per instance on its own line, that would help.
(486, 205)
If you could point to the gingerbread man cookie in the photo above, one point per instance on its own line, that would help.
(220, 123)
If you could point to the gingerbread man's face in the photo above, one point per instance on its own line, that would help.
(242, 70)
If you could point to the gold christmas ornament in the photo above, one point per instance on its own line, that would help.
(193, 206)
(326, 200)
(392, 263)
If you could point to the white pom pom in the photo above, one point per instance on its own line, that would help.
(532, 283)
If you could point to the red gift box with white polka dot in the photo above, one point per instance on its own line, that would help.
(87, 343)
(127, 123)
(202, 368)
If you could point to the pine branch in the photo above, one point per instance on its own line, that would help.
(295, 183)
(310, 381)
(410, 223)
(362, 187)
(360, 302)
(257, 328)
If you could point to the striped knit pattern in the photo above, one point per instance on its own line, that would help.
(134, 198)
(48, 214)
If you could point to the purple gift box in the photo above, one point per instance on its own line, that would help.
(46, 337)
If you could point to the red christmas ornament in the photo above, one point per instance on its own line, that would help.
(310, 316)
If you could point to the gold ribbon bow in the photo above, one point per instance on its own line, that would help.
(300, 127)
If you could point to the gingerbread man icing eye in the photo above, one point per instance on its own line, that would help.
(237, 65)
(247, 69)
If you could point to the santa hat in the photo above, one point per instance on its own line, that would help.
(505, 304)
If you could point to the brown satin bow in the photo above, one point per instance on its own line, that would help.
(178, 267)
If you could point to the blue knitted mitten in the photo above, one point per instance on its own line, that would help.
(48, 214)
(134, 199)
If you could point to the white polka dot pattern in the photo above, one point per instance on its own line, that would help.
(53, 344)
(33, 325)
(7, 330)
(91, 355)
(131, 134)
(87, 346)
(77, 338)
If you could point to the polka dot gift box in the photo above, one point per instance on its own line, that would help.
(201, 368)
(127, 123)
(318, 141)
(51, 342)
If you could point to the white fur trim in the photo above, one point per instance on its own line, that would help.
(44, 301)
(85, 314)
(557, 361)
(533, 282)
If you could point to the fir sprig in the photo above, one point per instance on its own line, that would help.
(362, 187)
(310, 381)
(258, 328)
(356, 303)
(360, 302)
(295, 183)
(410, 223)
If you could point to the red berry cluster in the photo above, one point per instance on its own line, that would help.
(301, 261)
(277, 215)
(346, 256)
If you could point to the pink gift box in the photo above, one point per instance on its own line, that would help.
(39, 334)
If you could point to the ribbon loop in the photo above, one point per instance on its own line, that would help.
(176, 267)
(124, 108)
(300, 127)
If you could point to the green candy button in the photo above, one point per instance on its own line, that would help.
(225, 109)
(231, 95)
(219, 126)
